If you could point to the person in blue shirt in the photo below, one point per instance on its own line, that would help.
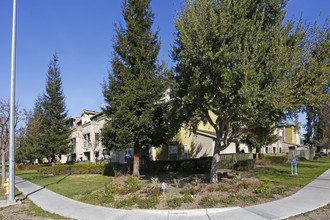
(294, 163)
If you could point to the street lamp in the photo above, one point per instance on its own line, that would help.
(11, 196)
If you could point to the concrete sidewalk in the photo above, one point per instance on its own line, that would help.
(313, 196)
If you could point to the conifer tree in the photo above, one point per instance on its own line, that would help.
(135, 86)
(54, 118)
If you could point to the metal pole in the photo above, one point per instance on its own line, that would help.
(11, 196)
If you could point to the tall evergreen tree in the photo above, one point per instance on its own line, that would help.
(57, 131)
(233, 62)
(135, 86)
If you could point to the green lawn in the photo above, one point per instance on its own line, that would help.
(281, 173)
(71, 185)
(67, 185)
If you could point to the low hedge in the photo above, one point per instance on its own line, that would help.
(245, 165)
(110, 169)
(277, 159)
(30, 166)
(195, 165)
(269, 160)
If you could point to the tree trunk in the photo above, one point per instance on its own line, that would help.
(53, 161)
(215, 163)
(257, 154)
(3, 162)
(136, 162)
(214, 168)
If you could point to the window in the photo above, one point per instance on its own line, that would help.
(280, 150)
(185, 151)
(274, 150)
(87, 141)
(266, 150)
(128, 155)
(173, 152)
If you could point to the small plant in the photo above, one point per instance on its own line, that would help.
(195, 180)
(154, 193)
(154, 182)
(247, 198)
(177, 182)
(208, 202)
(236, 191)
(244, 185)
(237, 178)
(210, 189)
(188, 198)
(264, 190)
(222, 188)
(147, 203)
(190, 191)
(110, 190)
(132, 184)
(229, 200)
(175, 202)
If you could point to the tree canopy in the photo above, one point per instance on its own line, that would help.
(235, 59)
(135, 86)
(54, 115)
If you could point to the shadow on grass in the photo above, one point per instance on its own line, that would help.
(270, 171)
(56, 182)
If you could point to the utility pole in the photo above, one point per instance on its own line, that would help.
(11, 197)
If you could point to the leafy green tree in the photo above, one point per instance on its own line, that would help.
(135, 88)
(260, 136)
(33, 144)
(234, 61)
(313, 87)
(54, 116)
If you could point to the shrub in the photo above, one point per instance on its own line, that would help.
(188, 198)
(29, 166)
(175, 202)
(265, 161)
(147, 203)
(261, 156)
(264, 190)
(244, 185)
(277, 159)
(154, 193)
(86, 168)
(244, 165)
(110, 190)
(301, 158)
(154, 182)
(195, 180)
(132, 184)
(117, 169)
(188, 166)
(177, 182)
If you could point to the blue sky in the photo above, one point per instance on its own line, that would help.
(81, 32)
